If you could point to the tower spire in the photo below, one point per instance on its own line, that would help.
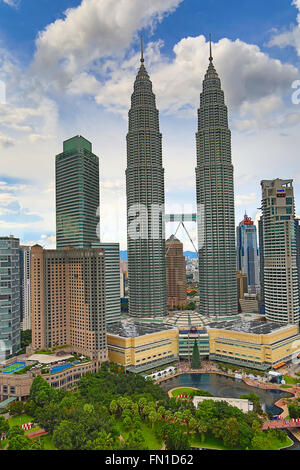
(210, 49)
(142, 50)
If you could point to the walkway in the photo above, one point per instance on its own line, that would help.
(280, 424)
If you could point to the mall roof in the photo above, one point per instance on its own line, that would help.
(251, 327)
(133, 329)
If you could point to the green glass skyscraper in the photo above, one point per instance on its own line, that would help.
(77, 195)
(145, 204)
(215, 201)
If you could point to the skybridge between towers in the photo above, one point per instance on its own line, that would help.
(181, 218)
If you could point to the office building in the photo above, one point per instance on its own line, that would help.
(10, 317)
(297, 228)
(215, 202)
(248, 254)
(256, 344)
(25, 303)
(77, 195)
(68, 300)
(142, 346)
(112, 282)
(261, 264)
(176, 273)
(242, 284)
(145, 204)
(280, 266)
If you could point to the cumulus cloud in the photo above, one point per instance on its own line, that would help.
(289, 37)
(245, 199)
(254, 83)
(92, 31)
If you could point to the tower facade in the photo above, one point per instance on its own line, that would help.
(176, 273)
(77, 195)
(215, 202)
(247, 253)
(68, 300)
(297, 228)
(280, 266)
(112, 282)
(10, 318)
(25, 304)
(145, 204)
(261, 263)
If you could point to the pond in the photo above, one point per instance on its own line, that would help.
(226, 387)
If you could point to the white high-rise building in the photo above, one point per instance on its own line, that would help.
(25, 304)
(279, 244)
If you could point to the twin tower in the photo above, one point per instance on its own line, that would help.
(146, 198)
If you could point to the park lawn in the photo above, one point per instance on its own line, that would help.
(212, 443)
(151, 441)
(276, 444)
(209, 443)
(182, 391)
(290, 380)
(47, 441)
(18, 420)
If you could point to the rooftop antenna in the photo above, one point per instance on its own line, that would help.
(210, 49)
(142, 50)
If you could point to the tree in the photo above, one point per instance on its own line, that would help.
(196, 361)
(36, 444)
(41, 393)
(135, 441)
(104, 441)
(49, 416)
(16, 408)
(261, 441)
(4, 426)
(174, 437)
(15, 431)
(19, 442)
(231, 433)
(69, 435)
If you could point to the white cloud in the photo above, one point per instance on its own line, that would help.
(289, 37)
(94, 30)
(254, 84)
(12, 3)
(245, 199)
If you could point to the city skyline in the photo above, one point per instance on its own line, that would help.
(50, 114)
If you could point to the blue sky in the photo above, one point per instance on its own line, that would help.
(69, 68)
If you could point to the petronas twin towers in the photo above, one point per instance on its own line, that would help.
(146, 199)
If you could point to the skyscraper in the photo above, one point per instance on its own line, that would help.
(77, 195)
(297, 228)
(215, 202)
(176, 273)
(10, 318)
(25, 305)
(112, 281)
(247, 253)
(280, 268)
(261, 263)
(145, 203)
(68, 300)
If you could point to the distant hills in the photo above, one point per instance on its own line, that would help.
(187, 254)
